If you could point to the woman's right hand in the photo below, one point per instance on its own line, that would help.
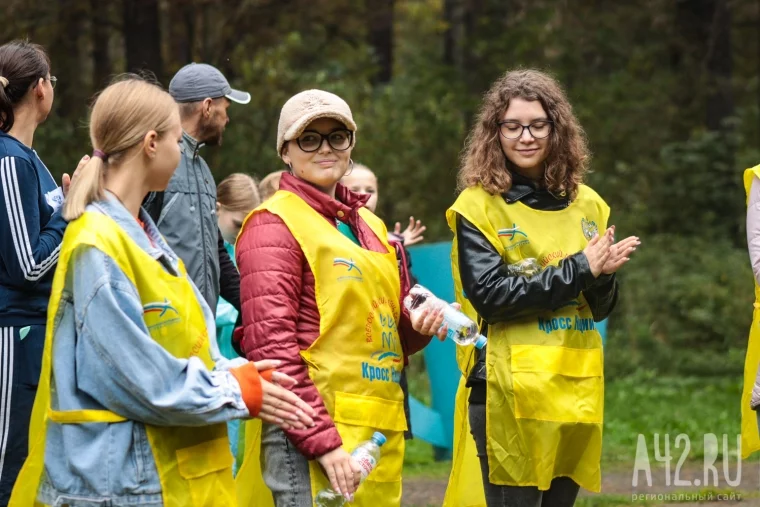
(343, 472)
(620, 253)
(283, 408)
(67, 181)
(277, 404)
(598, 250)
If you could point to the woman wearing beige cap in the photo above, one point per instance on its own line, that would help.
(321, 291)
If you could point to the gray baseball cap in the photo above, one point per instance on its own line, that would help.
(199, 81)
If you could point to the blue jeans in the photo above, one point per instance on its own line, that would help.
(285, 469)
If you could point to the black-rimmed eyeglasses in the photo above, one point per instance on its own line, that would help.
(512, 130)
(311, 141)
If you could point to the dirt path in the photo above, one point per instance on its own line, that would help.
(421, 492)
(692, 475)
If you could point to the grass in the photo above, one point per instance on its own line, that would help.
(645, 404)
(607, 501)
(419, 462)
(648, 404)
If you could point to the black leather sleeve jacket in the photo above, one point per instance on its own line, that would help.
(498, 296)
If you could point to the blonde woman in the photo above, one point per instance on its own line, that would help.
(133, 396)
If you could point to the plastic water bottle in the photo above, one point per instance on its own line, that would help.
(366, 454)
(461, 328)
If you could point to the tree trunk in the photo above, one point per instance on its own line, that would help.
(101, 57)
(142, 37)
(380, 18)
(67, 61)
(693, 19)
(454, 13)
(720, 99)
(180, 33)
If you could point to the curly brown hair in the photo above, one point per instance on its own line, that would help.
(483, 161)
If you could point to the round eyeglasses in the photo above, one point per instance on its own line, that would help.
(512, 130)
(311, 140)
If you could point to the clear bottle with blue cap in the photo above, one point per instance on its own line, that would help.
(461, 328)
(367, 455)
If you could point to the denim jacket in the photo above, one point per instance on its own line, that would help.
(104, 358)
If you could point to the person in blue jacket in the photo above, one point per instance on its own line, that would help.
(31, 230)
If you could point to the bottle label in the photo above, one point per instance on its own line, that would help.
(365, 460)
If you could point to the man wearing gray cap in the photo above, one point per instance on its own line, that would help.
(186, 211)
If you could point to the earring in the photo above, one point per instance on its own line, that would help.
(350, 161)
(290, 168)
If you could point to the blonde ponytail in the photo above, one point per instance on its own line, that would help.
(120, 118)
(88, 189)
(238, 192)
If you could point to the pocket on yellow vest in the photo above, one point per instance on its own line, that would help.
(558, 383)
(207, 468)
(357, 417)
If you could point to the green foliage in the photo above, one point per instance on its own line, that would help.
(685, 306)
(693, 189)
(638, 79)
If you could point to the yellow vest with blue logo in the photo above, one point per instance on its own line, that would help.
(194, 463)
(356, 361)
(750, 435)
(545, 390)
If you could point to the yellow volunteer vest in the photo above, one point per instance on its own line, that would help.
(465, 488)
(545, 394)
(194, 463)
(356, 361)
(750, 436)
(252, 491)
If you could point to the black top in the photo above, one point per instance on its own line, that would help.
(498, 296)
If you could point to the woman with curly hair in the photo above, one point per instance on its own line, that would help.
(531, 265)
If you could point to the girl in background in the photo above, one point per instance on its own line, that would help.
(236, 196)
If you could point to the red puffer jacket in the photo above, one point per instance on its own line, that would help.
(279, 308)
